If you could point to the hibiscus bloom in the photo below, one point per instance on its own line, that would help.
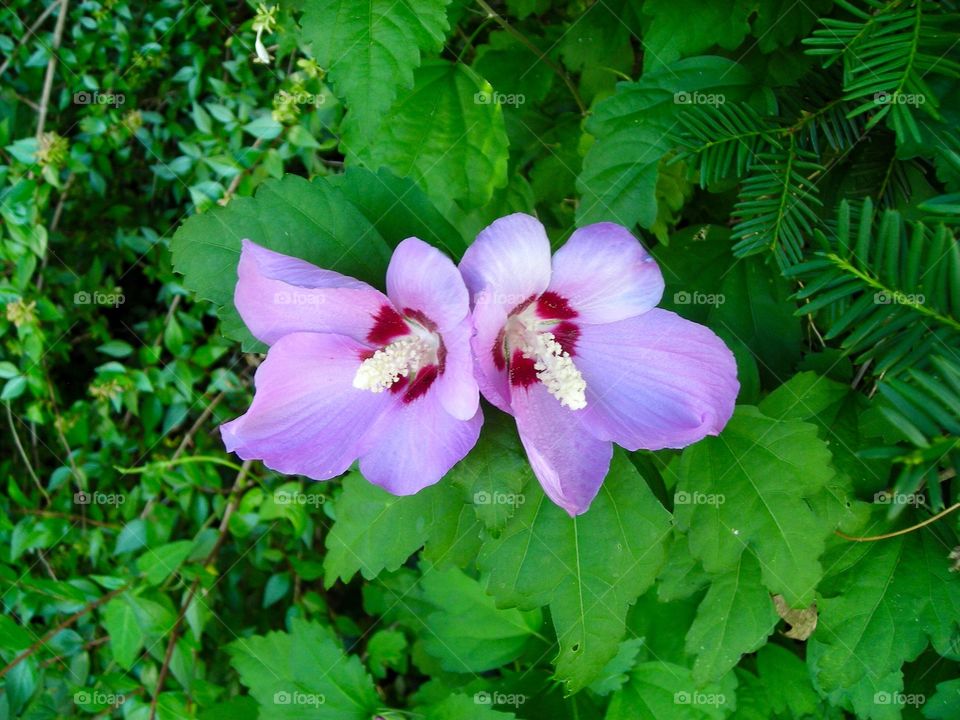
(575, 348)
(353, 373)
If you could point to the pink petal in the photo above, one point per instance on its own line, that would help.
(416, 445)
(510, 259)
(306, 417)
(488, 360)
(457, 386)
(423, 279)
(655, 381)
(568, 461)
(277, 295)
(606, 274)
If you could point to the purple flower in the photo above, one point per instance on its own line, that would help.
(352, 373)
(576, 350)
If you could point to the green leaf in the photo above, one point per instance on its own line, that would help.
(588, 569)
(619, 178)
(788, 681)
(467, 633)
(387, 649)
(377, 531)
(462, 707)
(670, 35)
(735, 617)
(126, 637)
(157, 565)
(444, 134)
(749, 489)
(313, 221)
(663, 690)
(304, 674)
(879, 608)
(370, 50)
(945, 703)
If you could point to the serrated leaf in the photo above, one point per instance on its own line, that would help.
(734, 618)
(467, 633)
(377, 531)
(445, 134)
(765, 471)
(664, 690)
(588, 569)
(670, 34)
(619, 178)
(370, 50)
(304, 674)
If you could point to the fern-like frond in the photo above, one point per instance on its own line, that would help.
(888, 51)
(723, 141)
(777, 205)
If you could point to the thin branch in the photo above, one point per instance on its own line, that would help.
(51, 66)
(175, 633)
(492, 14)
(23, 455)
(904, 531)
(26, 36)
(89, 607)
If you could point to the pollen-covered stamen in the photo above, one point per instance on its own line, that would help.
(556, 370)
(401, 358)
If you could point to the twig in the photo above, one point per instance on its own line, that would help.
(204, 416)
(491, 13)
(89, 607)
(51, 66)
(904, 531)
(235, 182)
(23, 455)
(175, 633)
(26, 36)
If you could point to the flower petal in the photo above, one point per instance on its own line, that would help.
(569, 462)
(423, 279)
(416, 445)
(510, 259)
(488, 361)
(606, 274)
(655, 381)
(457, 386)
(277, 295)
(306, 417)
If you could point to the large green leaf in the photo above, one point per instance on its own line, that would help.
(467, 633)
(670, 34)
(377, 531)
(310, 220)
(619, 178)
(588, 569)
(881, 605)
(735, 617)
(304, 674)
(664, 690)
(126, 637)
(446, 134)
(749, 489)
(371, 49)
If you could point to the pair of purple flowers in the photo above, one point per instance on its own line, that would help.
(572, 346)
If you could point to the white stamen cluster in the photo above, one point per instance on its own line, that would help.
(398, 359)
(556, 370)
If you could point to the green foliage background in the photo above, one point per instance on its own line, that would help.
(794, 167)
